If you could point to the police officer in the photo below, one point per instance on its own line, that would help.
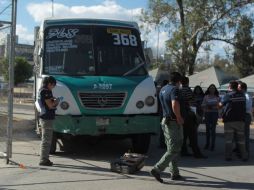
(172, 127)
(46, 119)
(234, 109)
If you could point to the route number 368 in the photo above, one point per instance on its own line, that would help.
(125, 39)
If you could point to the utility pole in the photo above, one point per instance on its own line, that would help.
(11, 81)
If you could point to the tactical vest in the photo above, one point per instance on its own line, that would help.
(235, 107)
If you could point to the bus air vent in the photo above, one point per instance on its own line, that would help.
(102, 100)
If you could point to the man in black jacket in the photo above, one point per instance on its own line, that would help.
(234, 109)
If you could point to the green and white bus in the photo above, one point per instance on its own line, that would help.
(101, 76)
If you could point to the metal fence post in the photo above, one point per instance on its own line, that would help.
(11, 82)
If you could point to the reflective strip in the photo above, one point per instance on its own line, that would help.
(238, 99)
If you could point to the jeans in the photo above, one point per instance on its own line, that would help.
(46, 139)
(211, 119)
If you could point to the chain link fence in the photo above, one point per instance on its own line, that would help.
(5, 18)
(3, 117)
(23, 114)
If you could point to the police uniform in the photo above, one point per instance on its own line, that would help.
(233, 117)
(173, 132)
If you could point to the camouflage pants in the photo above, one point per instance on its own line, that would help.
(174, 139)
(46, 139)
(236, 128)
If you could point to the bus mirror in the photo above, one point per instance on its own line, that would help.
(40, 53)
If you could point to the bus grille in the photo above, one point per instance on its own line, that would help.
(102, 100)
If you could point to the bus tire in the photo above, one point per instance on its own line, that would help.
(140, 143)
(67, 144)
(53, 144)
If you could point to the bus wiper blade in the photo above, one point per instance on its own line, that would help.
(134, 69)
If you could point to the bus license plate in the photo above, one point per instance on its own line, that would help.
(102, 121)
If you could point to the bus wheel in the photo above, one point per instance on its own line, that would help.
(53, 144)
(67, 144)
(140, 143)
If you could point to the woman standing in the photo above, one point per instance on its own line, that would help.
(49, 104)
(211, 107)
(198, 100)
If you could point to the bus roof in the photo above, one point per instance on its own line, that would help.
(87, 21)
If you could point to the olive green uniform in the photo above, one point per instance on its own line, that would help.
(173, 133)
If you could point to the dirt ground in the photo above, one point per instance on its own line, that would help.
(21, 128)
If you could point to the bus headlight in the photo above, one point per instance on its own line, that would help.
(140, 104)
(149, 101)
(64, 105)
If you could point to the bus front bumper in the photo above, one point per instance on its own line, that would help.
(100, 125)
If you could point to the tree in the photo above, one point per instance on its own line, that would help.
(220, 62)
(244, 49)
(4, 68)
(225, 65)
(201, 67)
(22, 70)
(192, 23)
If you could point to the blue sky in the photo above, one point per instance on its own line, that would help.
(30, 13)
(25, 19)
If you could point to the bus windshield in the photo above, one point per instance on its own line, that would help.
(93, 50)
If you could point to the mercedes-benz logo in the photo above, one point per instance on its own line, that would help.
(102, 101)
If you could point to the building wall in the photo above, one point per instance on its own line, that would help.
(21, 50)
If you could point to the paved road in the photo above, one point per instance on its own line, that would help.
(88, 168)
